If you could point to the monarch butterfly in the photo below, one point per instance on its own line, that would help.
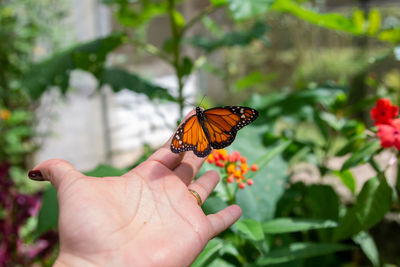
(211, 128)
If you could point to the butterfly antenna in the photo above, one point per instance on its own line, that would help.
(187, 103)
(202, 100)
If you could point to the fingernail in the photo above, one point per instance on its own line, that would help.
(35, 175)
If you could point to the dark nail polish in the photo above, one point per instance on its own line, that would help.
(35, 175)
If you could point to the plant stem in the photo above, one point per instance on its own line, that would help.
(106, 127)
(176, 62)
(377, 168)
(198, 17)
(151, 49)
(398, 174)
(230, 195)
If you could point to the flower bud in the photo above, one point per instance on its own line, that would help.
(219, 164)
(236, 155)
(254, 167)
(211, 158)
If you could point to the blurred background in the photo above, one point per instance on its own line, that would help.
(103, 83)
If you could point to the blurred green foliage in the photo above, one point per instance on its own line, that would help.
(315, 121)
(22, 24)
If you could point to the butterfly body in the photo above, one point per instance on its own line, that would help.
(211, 128)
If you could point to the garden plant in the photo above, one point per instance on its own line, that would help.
(331, 128)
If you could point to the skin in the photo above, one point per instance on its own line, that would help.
(146, 217)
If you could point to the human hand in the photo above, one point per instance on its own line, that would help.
(146, 217)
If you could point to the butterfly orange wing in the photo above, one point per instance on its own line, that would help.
(223, 123)
(191, 136)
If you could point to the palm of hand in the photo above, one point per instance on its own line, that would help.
(148, 212)
(146, 217)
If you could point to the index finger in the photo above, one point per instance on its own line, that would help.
(189, 167)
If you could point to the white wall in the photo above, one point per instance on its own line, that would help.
(74, 125)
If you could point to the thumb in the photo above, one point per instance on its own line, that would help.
(56, 171)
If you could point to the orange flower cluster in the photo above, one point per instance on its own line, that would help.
(234, 164)
(5, 114)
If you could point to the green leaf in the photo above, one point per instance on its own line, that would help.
(138, 14)
(330, 20)
(251, 229)
(240, 38)
(212, 26)
(209, 253)
(352, 143)
(368, 246)
(17, 133)
(296, 106)
(259, 201)
(373, 202)
(120, 79)
(219, 262)
(187, 66)
(19, 116)
(321, 124)
(289, 225)
(347, 179)
(322, 202)
(297, 251)
(48, 214)
(218, 2)
(178, 18)
(55, 71)
(252, 79)
(105, 171)
(374, 21)
(361, 156)
(244, 9)
(391, 35)
(271, 154)
(305, 201)
(359, 20)
(332, 120)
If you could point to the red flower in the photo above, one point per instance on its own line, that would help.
(254, 167)
(390, 134)
(384, 112)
